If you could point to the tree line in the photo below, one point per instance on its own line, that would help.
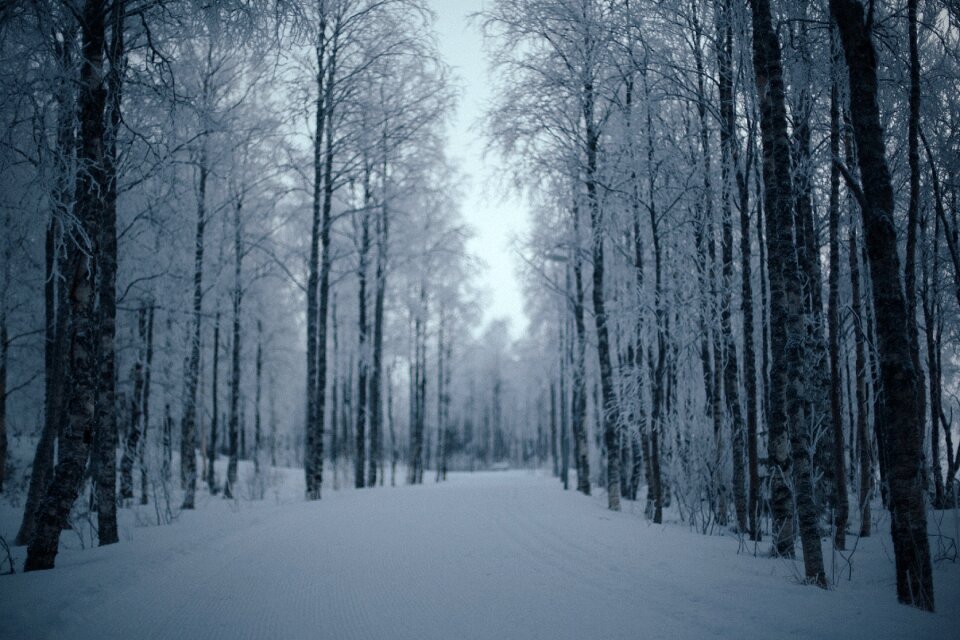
(741, 259)
(249, 245)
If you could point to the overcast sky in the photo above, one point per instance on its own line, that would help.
(495, 219)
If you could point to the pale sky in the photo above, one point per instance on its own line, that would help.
(496, 219)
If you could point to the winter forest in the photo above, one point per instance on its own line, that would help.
(479, 318)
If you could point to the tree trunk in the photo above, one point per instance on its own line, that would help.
(166, 444)
(335, 396)
(394, 448)
(730, 154)
(749, 355)
(147, 376)
(554, 455)
(4, 350)
(789, 423)
(651, 444)
(215, 393)
(441, 372)
(863, 432)
(382, 233)
(55, 306)
(106, 436)
(609, 410)
(706, 261)
(273, 420)
(133, 431)
(910, 259)
(933, 325)
(55, 326)
(841, 503)
(581, 453)
(325, 263)
(841, 506)
(637, 361)
(319, 240)
(418, 388)
(188, 432)
(566, 355)
(257, 436)
(81, 335)
(900, 404)
(233, 428)
(362, 349)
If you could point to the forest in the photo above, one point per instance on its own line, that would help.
(236, 251)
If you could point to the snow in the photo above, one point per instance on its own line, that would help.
(484, 555)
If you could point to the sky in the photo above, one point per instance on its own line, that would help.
(496, 218)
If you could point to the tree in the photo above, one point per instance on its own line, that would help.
(788, 439)
(900, 405)
(81, 336)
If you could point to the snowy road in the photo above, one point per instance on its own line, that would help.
(494, 555)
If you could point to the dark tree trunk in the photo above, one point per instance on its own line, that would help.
(4, 350)
(362, 349)
(147, 376)
(441, 390)
(651, 444)
(553, 428)
(422, 389)
(933, 321)
(566, 355)
(706, 261)
(730, 152)
(257, 434)
(325, 262)
(166, 454)
(233, 428)
(273, 421)
(188, 431)
(749, 355)
(637, 360)
(841, 505)
(910, 259)
(443, 405)
(214, 419)
(609, 409)
(579, 391)
(382, 232)
(863, 433)
(900, 404)
(876, 384)
(346, 409)
(318, 280)
(913, 156)
(335, 396)
(80, 342)
(54, 365)
(789, 423)
(763, 275)
(106, 436)
(418, 391)
(133, 431)
(441, 372)
(778, 211)
(394, 445)
(55, 306)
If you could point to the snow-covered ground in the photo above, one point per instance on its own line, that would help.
(486, 555)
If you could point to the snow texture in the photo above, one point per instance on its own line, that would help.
(482, 556)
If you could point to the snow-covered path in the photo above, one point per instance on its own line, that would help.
(491, 555)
